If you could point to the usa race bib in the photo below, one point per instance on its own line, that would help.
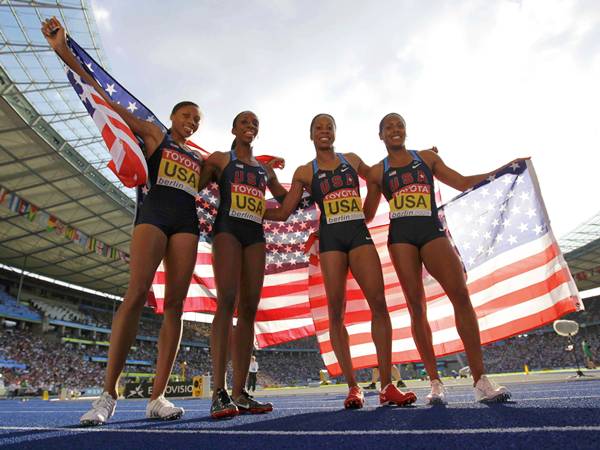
(179, 171)
(342, 205)
(411, 200)
(247, 202)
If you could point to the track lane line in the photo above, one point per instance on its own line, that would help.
(513, 430)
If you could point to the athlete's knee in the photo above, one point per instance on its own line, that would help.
(379, 309)
(135, 298)
(174, 306)
(226, 302)
(459, 296)
(336, 318)
(247, 311)
(417, 309)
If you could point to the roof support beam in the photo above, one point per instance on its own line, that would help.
(45, 183)
(34, 4)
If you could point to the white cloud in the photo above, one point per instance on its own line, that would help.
(102, 16)
(484, 81)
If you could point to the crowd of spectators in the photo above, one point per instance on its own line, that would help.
(52, 363)
(539, 351)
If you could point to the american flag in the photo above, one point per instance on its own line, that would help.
(284, 311)
(127, 159)
(516, 274)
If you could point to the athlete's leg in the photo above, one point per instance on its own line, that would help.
(148, 246)
(396, 373)
(180, 260)
(253, 273)
(407, 262)
(375, 375)
(227, 254)
(443, 264)
(366, 268)
(334, 266)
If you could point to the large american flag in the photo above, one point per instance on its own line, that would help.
(516, 274)
(127, 159)
(284, 311)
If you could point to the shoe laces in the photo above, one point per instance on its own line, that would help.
(104, 401)
(223, 396)
(485, 383)
(437, 387)
(355, 390)
(384, 390)
(246, 394)
(164, 402)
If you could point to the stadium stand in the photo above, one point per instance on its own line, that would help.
(78, 360)
(73, 328)
(58, 311)
(9, 307)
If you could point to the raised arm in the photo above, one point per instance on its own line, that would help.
(291, 200)
(56, 36)
(374, 178)
(451, 177)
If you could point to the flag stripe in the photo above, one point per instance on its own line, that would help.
(514, 298)
(356, 310)
(517, 277)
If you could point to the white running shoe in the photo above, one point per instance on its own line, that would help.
(161, 408)
(487, 391)
(103, 409)
(437, 396)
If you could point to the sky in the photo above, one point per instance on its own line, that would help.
(486, 81)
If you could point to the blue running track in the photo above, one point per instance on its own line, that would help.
(541, 416)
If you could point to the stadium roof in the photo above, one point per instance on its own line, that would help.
(582, 252)
(51, 154)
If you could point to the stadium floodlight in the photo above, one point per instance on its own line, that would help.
(569, 328)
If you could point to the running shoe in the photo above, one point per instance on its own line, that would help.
(103, 409)
(400, 384)
(222, 406)
(371, 386)
(437, 396)
(355, 399)
(247, 404)
(161, 408)
(487, 391)
(391, 395)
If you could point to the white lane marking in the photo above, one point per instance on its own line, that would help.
(120, 411)
(313, 432)
(300, 408)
